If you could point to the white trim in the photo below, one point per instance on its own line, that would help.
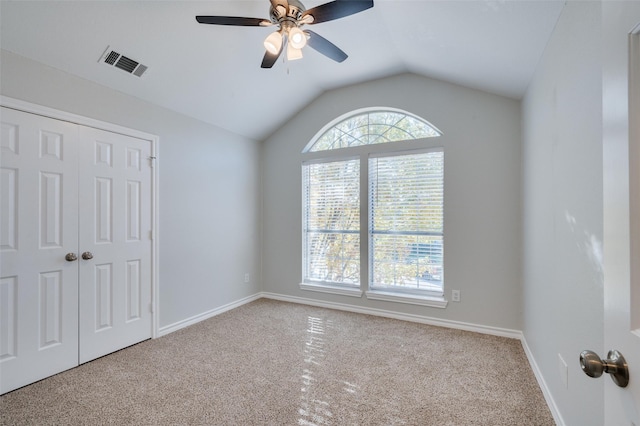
(31, 108)
(163, 331)
(484, 329)
(542, 383)
(24, 106)
(634, 178)
(413, 299)
(344, 291)
(399, 153)
(382, 148)
(155, 243)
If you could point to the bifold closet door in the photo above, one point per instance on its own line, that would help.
(115, 242)
(38, 228)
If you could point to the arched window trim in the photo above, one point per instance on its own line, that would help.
(362, 111)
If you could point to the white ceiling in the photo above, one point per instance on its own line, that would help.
(213, 72)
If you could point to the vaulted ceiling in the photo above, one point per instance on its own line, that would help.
(213, 73)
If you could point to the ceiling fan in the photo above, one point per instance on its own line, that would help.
(290, 16)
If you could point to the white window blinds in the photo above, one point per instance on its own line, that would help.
(406, 222)
(332, 222)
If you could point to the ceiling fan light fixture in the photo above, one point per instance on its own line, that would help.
(297, 39)
(273, 43)
(289, 16)
(293, 53)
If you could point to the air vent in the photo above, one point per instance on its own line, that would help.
(111, 59)
(118, 60)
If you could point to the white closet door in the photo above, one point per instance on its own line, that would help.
(38, 227)
(115, 224)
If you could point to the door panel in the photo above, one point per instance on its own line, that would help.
(38, 226)
(621, 136)
(115, 219)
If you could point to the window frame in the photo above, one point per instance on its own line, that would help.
(364, 153)
(408, 292)
(346, 288)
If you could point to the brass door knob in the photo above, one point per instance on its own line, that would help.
(87, 255)
(70, 257)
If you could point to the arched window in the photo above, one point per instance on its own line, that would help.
(401, 249)
(372, 127)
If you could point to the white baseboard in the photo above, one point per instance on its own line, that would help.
(543, 384)
(206, 315)
(495, 331)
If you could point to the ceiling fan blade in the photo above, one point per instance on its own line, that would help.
(280, 6)
(234, 20)
(324, 46)
(336, 9)
(270, 58)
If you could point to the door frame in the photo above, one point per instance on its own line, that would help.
(36, 109)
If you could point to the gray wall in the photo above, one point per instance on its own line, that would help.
(562, 211)
(482, 195)
(209, 183)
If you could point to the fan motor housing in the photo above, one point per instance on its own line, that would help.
(294, 13)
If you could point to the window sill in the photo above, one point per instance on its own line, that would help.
(344, 291)
(431, 301)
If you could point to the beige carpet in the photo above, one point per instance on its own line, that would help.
(276, 363)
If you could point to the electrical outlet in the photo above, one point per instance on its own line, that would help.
(246, 277)
(455, 295)
(564, 371)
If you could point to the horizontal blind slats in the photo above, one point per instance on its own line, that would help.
(406, 213)
(332, 222)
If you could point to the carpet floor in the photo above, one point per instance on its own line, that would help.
(277, 363)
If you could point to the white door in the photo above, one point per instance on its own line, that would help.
(70, 189)
(621, 130)
(115, 224)
(38, 227)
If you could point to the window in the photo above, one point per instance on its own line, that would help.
(371, 128)
(406, 222)
(373, 211)
(332, 222)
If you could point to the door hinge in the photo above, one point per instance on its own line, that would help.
(151, 235)
(151, 159)
(151, 309)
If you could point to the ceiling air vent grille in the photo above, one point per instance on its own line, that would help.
(113, 58)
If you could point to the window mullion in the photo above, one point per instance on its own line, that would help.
(364, 222)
